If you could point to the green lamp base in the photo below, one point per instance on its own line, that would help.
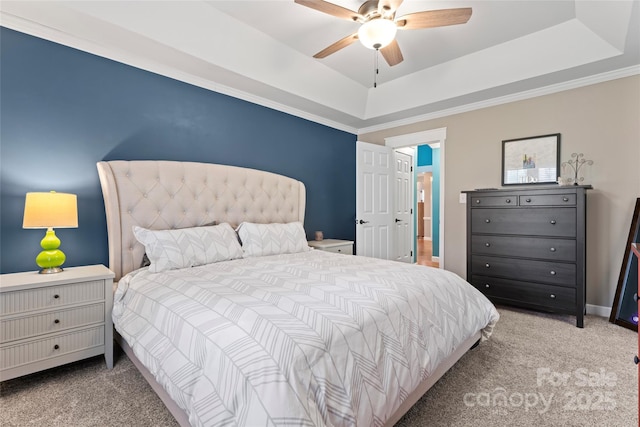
(51, 258)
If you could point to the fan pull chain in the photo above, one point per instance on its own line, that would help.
(376, 70)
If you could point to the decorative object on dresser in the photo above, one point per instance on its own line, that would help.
(533, 160)
(574, 165)
(527, 247)
(50, 320)
(49, 210)
(624, 311)
(333, 245)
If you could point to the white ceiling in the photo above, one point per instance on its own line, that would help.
(262, 51)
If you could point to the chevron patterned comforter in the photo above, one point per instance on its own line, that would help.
(307, 339)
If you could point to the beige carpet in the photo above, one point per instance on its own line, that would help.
(536, 370)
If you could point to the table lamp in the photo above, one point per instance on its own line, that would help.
(49, 210)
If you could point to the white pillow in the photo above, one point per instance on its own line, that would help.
(272, 239)
(188, 247)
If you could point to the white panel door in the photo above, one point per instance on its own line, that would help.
(403, 207)
(374, 204)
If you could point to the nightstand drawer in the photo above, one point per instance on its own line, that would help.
(344, 249)
(52, 346)
(52, 321)
(51, 296)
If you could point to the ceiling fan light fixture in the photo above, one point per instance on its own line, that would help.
(377, 33)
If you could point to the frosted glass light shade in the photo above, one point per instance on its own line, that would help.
(50, 210)
(377, 33)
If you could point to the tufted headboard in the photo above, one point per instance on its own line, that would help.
(167, 195)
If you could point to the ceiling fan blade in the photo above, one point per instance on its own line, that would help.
(331, 9)
(434, 18)
(392, 53)
(388, 7)
(337, 46)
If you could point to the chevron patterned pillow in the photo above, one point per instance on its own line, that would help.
(188, 247)
(272, 239)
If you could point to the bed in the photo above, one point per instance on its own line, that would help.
(278, 333)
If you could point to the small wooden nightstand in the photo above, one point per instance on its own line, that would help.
(48, 320)
(333, 245)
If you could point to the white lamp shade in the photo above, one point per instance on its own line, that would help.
(50, 210)
(377, 33)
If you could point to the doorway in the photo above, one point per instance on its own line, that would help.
(424, 220)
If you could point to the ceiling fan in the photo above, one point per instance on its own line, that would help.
(379, 24)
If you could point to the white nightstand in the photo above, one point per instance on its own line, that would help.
(333, 245)
(48, 320)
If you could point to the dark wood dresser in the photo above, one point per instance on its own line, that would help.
(527, 247)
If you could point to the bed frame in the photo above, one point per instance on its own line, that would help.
(168, 195)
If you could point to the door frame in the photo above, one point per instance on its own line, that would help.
(432, 136)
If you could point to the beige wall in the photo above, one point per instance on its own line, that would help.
(602, 121)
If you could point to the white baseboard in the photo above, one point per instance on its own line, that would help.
(599, 310)
(435, 258)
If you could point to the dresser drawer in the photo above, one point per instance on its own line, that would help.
(12, 355)
(488, 201)
(560, 222)
(51, 296)
(526, 270)
(548, 200)
(547, 296)
(51, 321)
(525, 247)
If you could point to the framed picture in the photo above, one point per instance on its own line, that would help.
(533, 160)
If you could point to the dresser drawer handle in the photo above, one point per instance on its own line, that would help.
(487, 221)
(56, 347)
(508, 200)
(486, 285)
(487, 244)
(56, 296)
(635, 297)
(552, 249)
(552, 296)
(553, 222)
(565, 199)
(636, 360)
(477, 201)
(56, 321)
(553, 273)
(528, 200)
(487, 265)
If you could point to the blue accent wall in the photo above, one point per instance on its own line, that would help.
(63, 110)
(425, 155)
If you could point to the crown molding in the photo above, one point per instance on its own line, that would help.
(547, 90)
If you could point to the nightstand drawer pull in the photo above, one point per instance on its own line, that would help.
(553, 222)
(552, 272)
(56, 321)
(636, 360)
(552, 249)
(56, 296)
(56, 347)
(552, 296)
(487, 221)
